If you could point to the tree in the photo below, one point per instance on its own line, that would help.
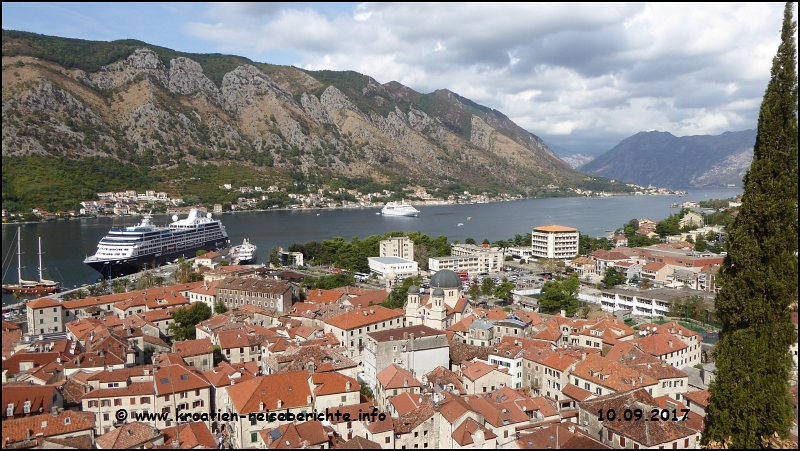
(474, 289)
(273, 257)
(220, 307)
(700, 245)
(485, 241)
(749, 397)
(503, 291)
(186, 318)
(612, 277)
(201, 252)
(487, 286)
(470, 241)
(560, 295)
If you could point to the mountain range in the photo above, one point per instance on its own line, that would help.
(154, 107)
(665, 160)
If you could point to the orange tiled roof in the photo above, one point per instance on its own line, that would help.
(699, 397)
(333, 383)
(463, 433)
(395, 376)
(127, 436)
(363, 317)
(610, 374)
(247, 396)
(18, 429)
(190, 436)
(191, 348)
(660, 344)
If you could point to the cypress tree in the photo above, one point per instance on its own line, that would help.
(749, 397)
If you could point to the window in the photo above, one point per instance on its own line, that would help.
(621, 441)
(253, 437)
(344, 398)
(144, 400)
(105, 417)
(133, 401)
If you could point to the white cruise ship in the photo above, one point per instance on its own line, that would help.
(244, 254)
(399, 209)
(128, 250)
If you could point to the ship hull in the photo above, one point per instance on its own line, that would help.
(36, 289)
(399, 213)
(110, 269)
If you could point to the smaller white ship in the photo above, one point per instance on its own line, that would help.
(244, 254)
(399, 209)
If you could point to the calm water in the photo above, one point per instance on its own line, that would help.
(66, 243)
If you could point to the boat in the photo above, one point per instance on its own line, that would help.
(129, 250)
(42, 286)
(244, 254)
(399, 209)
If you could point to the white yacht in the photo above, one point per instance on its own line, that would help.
(244, 254)
(399, 209)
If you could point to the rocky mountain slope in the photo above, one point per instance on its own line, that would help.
(662, 159)
(573, 159)
(155, 107)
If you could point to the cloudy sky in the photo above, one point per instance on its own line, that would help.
(582, 77)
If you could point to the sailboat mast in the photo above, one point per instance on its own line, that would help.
(40, 259)
(19, 258)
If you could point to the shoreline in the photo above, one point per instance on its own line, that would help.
(360, 207)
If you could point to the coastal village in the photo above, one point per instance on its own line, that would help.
(130, 202)
(446, 370)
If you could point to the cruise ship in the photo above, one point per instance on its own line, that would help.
(399, 209)
(244, 254)
(128, 250)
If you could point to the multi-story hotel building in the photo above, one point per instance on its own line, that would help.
(554, 241)
(398, 246)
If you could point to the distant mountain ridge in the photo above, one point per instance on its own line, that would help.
(663, 159)
(155, 107)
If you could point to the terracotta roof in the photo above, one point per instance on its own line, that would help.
(411, 420)
(133, 389)
(320, 296)
(247, 396)
(190, 436)
(460, 352)
(295, 435)
(463, 325)
(42, 303)
(298, 358)
(463, 433)
(173, 378)
(651, 366)
(78, 442)
(333, 383)
(362, 317)
(191, 348)
(11, 364)
(367, 299)
(698, 397)
(406, 402)
(359, 442)
(498, 414)
(18, 429)
(476, 370)
(395, 376)
(127, 436)
(39, 396)
(653, 266)
(651, 433)
(118, 375)
(568, 437)
(453, 407)
(223, 374)
(554, 228)
(576, 392)
(417, 331)
(72, 390)
(609, 374)
(254, 284)
(660, 344)
(442, 376)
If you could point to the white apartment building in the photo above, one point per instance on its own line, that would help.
(398, 246)
(554, 241)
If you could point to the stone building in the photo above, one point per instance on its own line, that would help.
(265, 293)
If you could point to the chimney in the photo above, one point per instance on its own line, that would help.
(319, 292)
(411, 336)
(563, 313)
(280, 403)
(583, 355)
(670, 343)
(405, 382)
(308, 399)
(347, 386)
